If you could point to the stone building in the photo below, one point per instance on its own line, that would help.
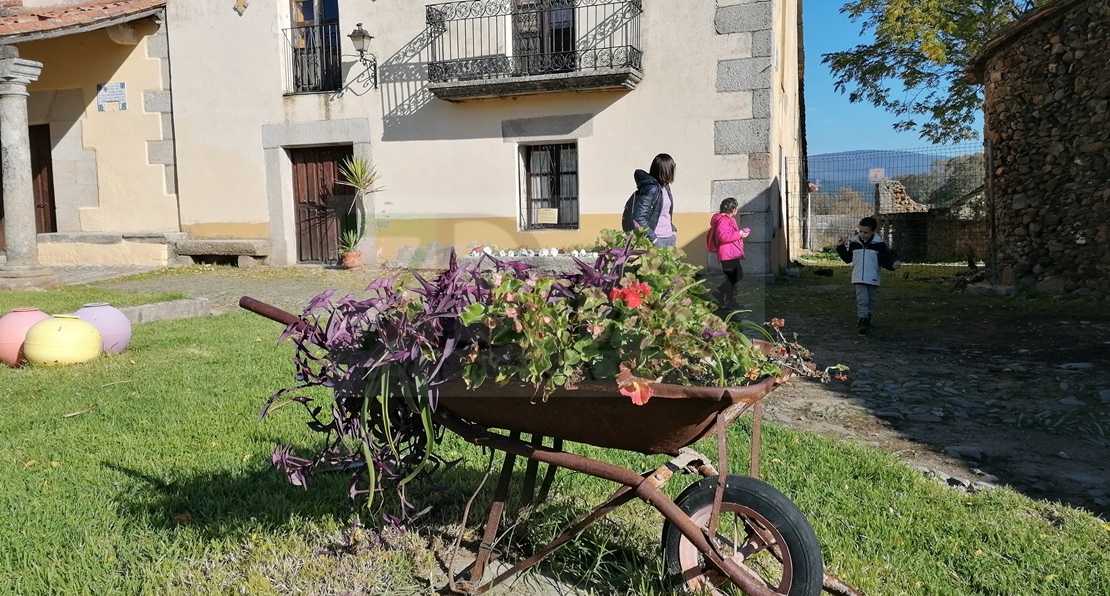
(1047, 90)
(163, 130)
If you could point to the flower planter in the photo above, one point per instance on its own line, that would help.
(13, 332)
(351, 260)
(596, 413)
(60, 340)
(114, 328)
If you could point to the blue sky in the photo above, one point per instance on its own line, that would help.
(834, 124)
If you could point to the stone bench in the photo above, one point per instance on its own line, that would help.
(246, 252)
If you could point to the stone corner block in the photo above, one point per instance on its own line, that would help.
(740, 18)
(741, 136)
(157, 102)
(744, 74)
(754, 196)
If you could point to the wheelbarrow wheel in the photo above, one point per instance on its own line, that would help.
(759, 528)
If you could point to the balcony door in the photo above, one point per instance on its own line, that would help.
(544, 36)
(315, 42)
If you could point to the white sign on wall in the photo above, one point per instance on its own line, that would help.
(107, 93)
(876, 175)
(547, 216)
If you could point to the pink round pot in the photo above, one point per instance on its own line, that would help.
(13, 332)
(114, 328)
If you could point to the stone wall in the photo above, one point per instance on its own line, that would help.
(1047, 116)
(931, 238)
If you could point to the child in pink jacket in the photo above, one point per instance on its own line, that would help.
(725, 241)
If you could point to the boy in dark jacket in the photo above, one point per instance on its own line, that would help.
(867, 252)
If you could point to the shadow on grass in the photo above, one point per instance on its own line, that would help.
(230, 507)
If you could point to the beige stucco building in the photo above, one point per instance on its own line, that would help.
(175, 129)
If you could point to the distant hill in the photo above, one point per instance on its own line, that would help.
(850, 168)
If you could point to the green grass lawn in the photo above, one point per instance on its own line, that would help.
(149, 473)
(67, 299)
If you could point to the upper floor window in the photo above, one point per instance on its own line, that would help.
(314, 46)
(543, 36)
(550, 187)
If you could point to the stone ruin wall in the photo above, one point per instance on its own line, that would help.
(1048, 117)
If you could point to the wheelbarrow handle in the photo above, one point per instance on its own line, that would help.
(272, 312)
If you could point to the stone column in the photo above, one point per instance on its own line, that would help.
(22, 269)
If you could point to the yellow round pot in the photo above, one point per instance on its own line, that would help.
(60, 340)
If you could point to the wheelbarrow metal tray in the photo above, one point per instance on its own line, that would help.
(596, 413)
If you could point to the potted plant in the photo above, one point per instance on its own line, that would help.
(634, 317)
(349, 255)
(359, 174)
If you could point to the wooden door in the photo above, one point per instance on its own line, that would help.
(319, 201)
(42, 173)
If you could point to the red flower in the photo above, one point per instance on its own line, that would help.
(631, 295)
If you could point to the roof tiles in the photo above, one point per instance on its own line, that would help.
(38, 20)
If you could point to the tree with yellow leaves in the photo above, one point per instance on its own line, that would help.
(915, 67)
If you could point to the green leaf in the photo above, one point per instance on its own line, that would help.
(472, 314)
(475, 374)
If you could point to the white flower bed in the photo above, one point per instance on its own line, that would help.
(529, 252)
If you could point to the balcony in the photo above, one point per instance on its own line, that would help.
(313, 59)
(499, 48)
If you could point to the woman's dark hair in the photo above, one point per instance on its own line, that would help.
(729, 204)
(662, 168)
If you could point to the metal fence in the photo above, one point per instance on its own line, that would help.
(932, 205)
(482, 39)
(313, 59)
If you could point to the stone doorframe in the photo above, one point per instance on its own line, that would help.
(276, 138)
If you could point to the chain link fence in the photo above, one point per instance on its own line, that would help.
(932, 205)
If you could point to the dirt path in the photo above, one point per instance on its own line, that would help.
(1023, 403)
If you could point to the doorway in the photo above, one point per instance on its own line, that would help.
(42, 182)
(320, 201)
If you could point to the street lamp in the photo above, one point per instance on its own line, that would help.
(360, 38)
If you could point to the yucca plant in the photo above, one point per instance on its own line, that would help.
(359, 174)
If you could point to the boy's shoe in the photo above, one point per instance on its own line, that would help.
(864, 324)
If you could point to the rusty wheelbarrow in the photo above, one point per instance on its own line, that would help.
(721, 533)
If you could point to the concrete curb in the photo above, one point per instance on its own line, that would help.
(167, 311)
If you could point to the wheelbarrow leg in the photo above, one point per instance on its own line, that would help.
(494, 520)
(757, 424)
(528, 491)
(549, 476)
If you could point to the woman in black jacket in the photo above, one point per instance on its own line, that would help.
(654, 205)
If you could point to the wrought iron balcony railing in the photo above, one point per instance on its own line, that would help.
(508, 46)
(313, 59)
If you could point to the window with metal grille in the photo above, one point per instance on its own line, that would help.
(550, 187)
(544, 36)
(314, 46)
